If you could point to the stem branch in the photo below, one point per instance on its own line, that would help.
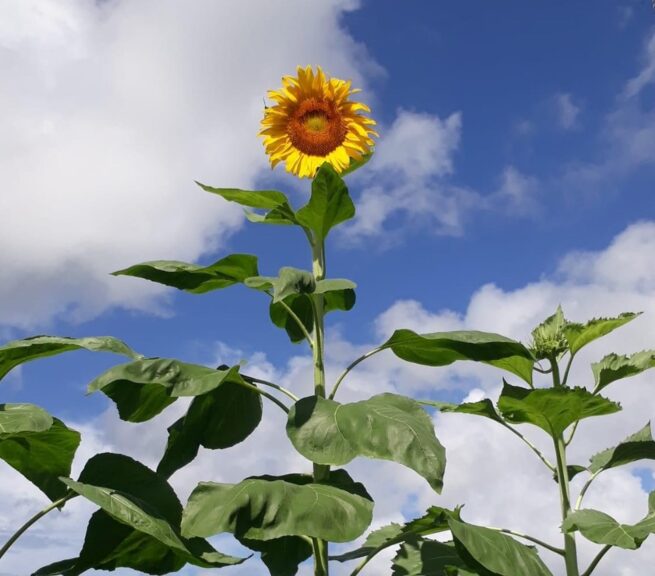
(596, 560)
(550, 547)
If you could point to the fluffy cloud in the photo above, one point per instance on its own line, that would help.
(497, 477)
(567, 111)
(109, 111)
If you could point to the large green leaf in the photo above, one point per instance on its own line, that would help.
(282, 215)
(603, 529)
(143, 388)
(219, 419)
(135, 496)
(329, 204)
(435, 520)
(386, 427)
(38, 446)
(638, 446)
(19, 351)
(419, 557)
(282, 556)
(269, 507)
(552, 409)
(233, 269)
(494, 551)
(289, 281)
(614, 367)
(443, 348)
(579, 335)
(337, 298)
(264, 199)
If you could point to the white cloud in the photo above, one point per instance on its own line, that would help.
(110, 110)
(567, 111)
(517, 192)
(646, 75)
(489, 470)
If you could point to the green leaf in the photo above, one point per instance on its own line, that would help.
(329, 204)
(614, 367)
(281, 555)
(219, 419)
(579, 335)
(19, 351)
(269, 507)
(335, 299)
(282, 215)
(435, 520)
(356, 164)
(418, 557)
(443, 348)
(386, 427)
(334, 285)
(233, 269)
(143, 388)
(638, 446)
(138, 498)
(264, 199)
(483, 408)
(552, 409)
(496, 552)
(601, 529)
(288, 282)
(38, 446)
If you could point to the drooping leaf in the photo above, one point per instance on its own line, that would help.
(329, 204)
(495, 552)
(263, 199)
(269, 507)
(443, 348)
(419, 557)
(552, 409)
(386, 427)
(219, 419)
(579, 335)
(232, 269)
(638, 446)
(614, 367)
(603, 529)
(143, 388)
(289, 281)
(20, 351)
(135, 496)
(434, 521)
(483, 408)
(335, 299)
(282, 556)
(38, 446)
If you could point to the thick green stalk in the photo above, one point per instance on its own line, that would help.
(321, 472)
(33, 520)
(570, 548)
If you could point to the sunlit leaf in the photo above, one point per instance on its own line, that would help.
(386, 426)
(483, 408)
(232, 269)
(269, 507)
(443, 348)
(614, 367)
(579, 335)
(289, 281)
(264, 199)
(20, 351)
(638, 446)
(552, 409)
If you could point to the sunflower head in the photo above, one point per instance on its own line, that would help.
(314, 121)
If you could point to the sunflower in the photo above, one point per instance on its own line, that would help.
(313, 121)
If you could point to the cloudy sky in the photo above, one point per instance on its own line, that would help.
(513, 173)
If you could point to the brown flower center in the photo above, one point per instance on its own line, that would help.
(316, 127)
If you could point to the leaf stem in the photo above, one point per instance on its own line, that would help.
(16, 535)
(585, 487)
(282, 389)
(550, 547)
(351, 366)
(532, 447)
(261, 392)
(596, 560)
(297, 320)
(565, 378)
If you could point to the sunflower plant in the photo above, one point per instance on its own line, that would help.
(319, 133)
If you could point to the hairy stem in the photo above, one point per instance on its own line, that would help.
(33, 520)
(532, 447)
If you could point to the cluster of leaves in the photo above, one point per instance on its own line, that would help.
(141, 524)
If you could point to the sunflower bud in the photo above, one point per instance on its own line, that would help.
(548, 339)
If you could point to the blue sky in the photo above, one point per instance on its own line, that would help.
(514, 171)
